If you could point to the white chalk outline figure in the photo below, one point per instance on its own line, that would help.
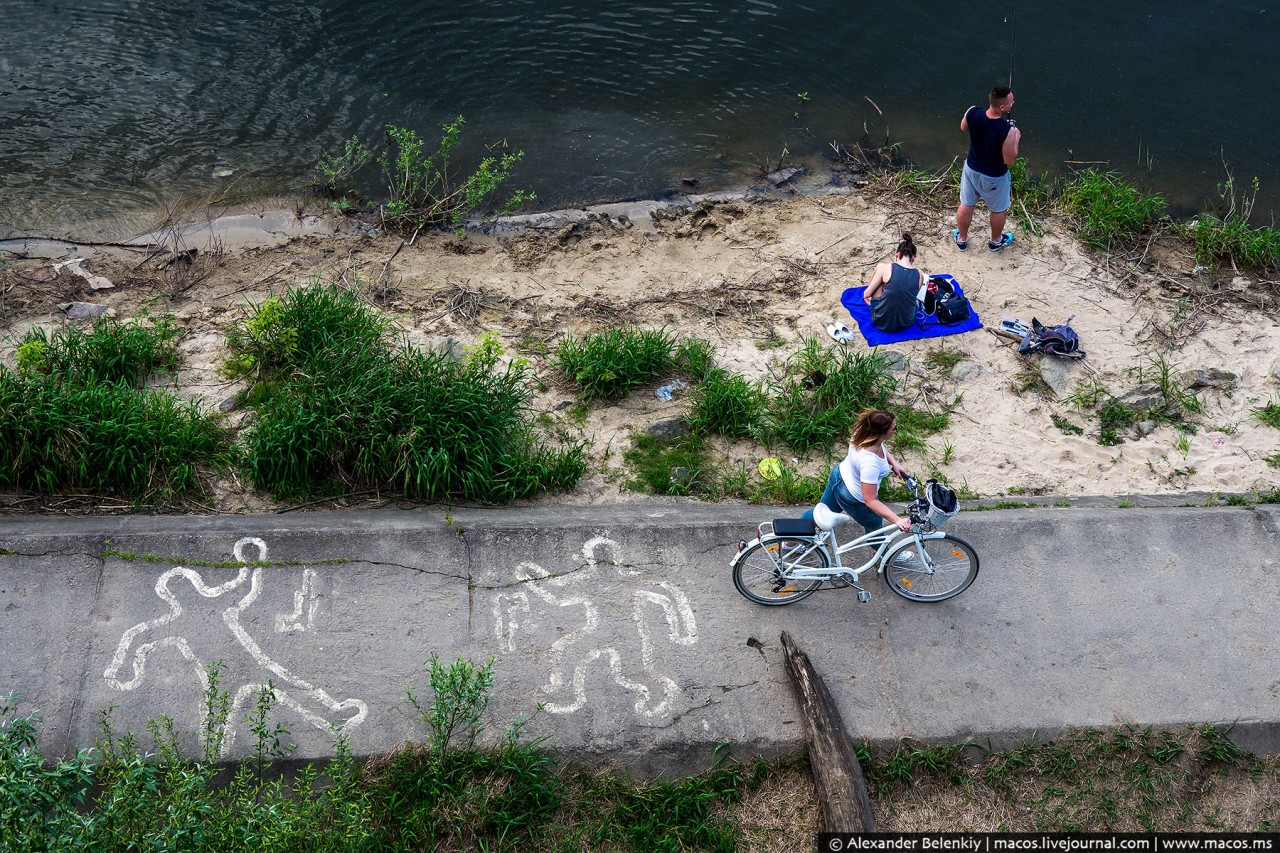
(682, 630)
(291, 691)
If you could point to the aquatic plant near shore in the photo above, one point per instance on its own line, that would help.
(423, 188)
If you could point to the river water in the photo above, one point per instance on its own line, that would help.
(113, 109)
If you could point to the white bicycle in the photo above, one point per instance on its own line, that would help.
(790, 558)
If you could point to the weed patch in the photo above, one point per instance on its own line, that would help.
(611, 364)
(666, 466)
(817, 401)
(1106, 210)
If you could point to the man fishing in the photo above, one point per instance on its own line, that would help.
(993, 148)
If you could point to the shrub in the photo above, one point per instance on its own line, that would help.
(1233, 242)
(423, 189)
(612, 363)
(1106, 210)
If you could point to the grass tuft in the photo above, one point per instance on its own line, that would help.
(1108, 211)
(353, 411)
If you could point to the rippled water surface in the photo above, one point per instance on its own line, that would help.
(109, 108)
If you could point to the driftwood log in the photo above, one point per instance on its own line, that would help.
(842, 789)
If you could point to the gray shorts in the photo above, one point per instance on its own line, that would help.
(994, 191)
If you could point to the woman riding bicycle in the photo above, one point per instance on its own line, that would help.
(854, 484)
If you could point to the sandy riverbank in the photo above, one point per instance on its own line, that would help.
(749, 274)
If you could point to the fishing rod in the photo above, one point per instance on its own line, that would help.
(1013, 39)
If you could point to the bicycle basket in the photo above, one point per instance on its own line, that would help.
(942, 503)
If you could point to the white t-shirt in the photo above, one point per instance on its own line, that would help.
(863, 466)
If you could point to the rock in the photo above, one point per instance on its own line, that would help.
(1214, 377)
(669, 428)
(1143, 398)
(450, 348)
(83, 310)
(1145, 427)
(893, 360)
(1275, 370)
(564, 404)
(967, 370)
(1056, 373)
(783, 176)
(233, 402)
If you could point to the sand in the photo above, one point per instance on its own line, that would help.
(749, 273)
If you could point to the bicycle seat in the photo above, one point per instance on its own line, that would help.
(826, 518)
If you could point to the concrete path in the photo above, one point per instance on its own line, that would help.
(619, 631)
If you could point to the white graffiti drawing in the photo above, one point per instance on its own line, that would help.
(655, 691)
(314, 704)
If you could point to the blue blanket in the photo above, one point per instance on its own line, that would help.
(861, 312)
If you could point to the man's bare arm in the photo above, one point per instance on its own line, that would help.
(1011, 146)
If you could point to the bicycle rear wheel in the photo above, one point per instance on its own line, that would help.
(931, 570)
(762, 573)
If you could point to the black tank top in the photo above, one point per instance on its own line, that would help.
(986, 143)
(895, 309)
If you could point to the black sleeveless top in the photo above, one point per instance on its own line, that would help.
(895, 309)
(986, 142)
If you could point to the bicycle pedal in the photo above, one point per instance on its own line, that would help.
(864, 596)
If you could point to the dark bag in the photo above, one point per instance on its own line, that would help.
(942, 299)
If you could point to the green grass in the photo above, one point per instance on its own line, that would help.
(816, 401)
(611, 364)
(1132, 779)
(667, 466)
(1268, 413)
(1067, 427)
(1107, 211)
(104, 439)
(944, 359)
(442, 793)
(727, 404)
(1273, 460)
(1113, 418)
(1232, 242)
(352, 411)
(110, 351)
(75, 419)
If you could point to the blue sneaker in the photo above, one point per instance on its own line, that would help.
(962, 245)
(1006, 239)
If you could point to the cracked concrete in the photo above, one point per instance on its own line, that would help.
(619, 631)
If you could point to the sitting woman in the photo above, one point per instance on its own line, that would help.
(894, 289)
(854, 484)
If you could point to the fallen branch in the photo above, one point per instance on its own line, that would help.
(842, 790)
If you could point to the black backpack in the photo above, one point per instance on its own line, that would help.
(943, 301)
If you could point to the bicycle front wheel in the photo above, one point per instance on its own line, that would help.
(931, 569)
(763, 573)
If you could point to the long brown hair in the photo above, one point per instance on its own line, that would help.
(872, 425)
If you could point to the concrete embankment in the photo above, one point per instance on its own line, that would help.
(619, 631)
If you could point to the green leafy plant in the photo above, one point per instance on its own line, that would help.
(422, 188)
(339, 168)
(667, 466)
(460, 693)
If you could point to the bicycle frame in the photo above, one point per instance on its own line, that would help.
(887, 541)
